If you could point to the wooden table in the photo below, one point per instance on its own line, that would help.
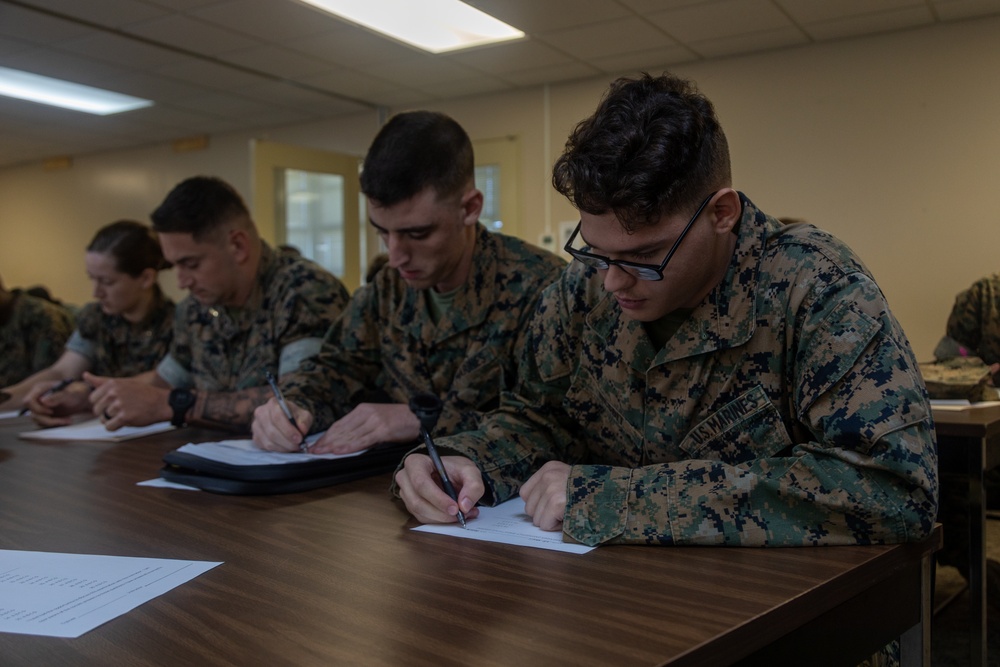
(976, 434)
(334, 576)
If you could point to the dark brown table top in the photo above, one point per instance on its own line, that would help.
(334, 576)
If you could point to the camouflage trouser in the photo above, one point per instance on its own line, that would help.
(887, 657)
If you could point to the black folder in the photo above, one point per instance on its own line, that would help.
(218, 477)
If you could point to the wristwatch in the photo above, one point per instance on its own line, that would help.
(181, 400)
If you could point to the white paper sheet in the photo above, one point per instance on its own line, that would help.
(244, 452)
(66, 595)
(508, 524)
(10, 414)
(164, 484)
(94, 430)
(959, 405)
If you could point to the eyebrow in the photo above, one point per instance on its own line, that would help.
(405, 230)
(639, 250)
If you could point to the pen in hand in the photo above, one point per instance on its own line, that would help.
(284, 408)
(56, 388)
(427, 408)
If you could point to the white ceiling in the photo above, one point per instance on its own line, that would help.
(214, 66)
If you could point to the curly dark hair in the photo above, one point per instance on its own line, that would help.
(414, 150)
(653, 147)
(198, 206)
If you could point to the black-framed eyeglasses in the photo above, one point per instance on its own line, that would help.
(641, 271)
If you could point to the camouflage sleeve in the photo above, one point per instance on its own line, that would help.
(865, 472)
(50, 332)
(975, 319)
(306, 312)
(348, 362)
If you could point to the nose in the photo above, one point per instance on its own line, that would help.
(397, 250)
(98, 291)
(616, 278)
(184, 280)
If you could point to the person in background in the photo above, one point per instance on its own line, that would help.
(967, 360)
(445, 316)
(250, 310)
(32, 334)
(701, 374)
(125, 331)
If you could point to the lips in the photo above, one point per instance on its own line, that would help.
(629, 304)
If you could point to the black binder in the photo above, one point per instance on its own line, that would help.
(218, 477)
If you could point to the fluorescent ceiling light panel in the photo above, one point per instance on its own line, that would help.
(432, 25)
(58, 93)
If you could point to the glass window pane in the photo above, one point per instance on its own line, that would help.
(314, 217)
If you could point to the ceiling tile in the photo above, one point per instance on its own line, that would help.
(653, 60)
(813, 11)
(510, 57)
(351, 47)
(267, 19)
(288, 95)
(719, 19)
(870, 23)
(950, 10)
(756, 41)
(350, 83)
(113, 13)
(35, 27)
(192, 35)
(121, 50)
(276, 60)
(534, 16)
(609, 38)
(208, 74)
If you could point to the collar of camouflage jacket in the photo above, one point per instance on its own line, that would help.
(473, 298)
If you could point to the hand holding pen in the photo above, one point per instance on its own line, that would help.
(54, 389)
(427, 408)
(285, 409)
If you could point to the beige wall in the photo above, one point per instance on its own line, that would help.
(890, 142)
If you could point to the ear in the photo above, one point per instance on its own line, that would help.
(726, 210)
(238, 244)
(472, 206)
(148, 278)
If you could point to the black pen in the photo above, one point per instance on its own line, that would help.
(284, 408)
(57, 387)
(439, 465)
(427, 408)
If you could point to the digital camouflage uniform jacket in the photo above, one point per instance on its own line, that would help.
(975, 319)
(386, 347)
(32, 337)
(786, 410)
(292, 305)
(117, 348)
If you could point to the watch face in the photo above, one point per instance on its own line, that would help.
(181, 398)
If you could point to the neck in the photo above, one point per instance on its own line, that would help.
(143, 306)
(464, 265)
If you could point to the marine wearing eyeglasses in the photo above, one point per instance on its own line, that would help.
(702, 373)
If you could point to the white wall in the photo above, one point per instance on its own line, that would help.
(890, 142)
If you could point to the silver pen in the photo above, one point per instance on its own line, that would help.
(284, 408)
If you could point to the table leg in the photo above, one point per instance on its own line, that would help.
(977, 553)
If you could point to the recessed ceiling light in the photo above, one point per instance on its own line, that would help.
(432, 25)
(59, 93)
